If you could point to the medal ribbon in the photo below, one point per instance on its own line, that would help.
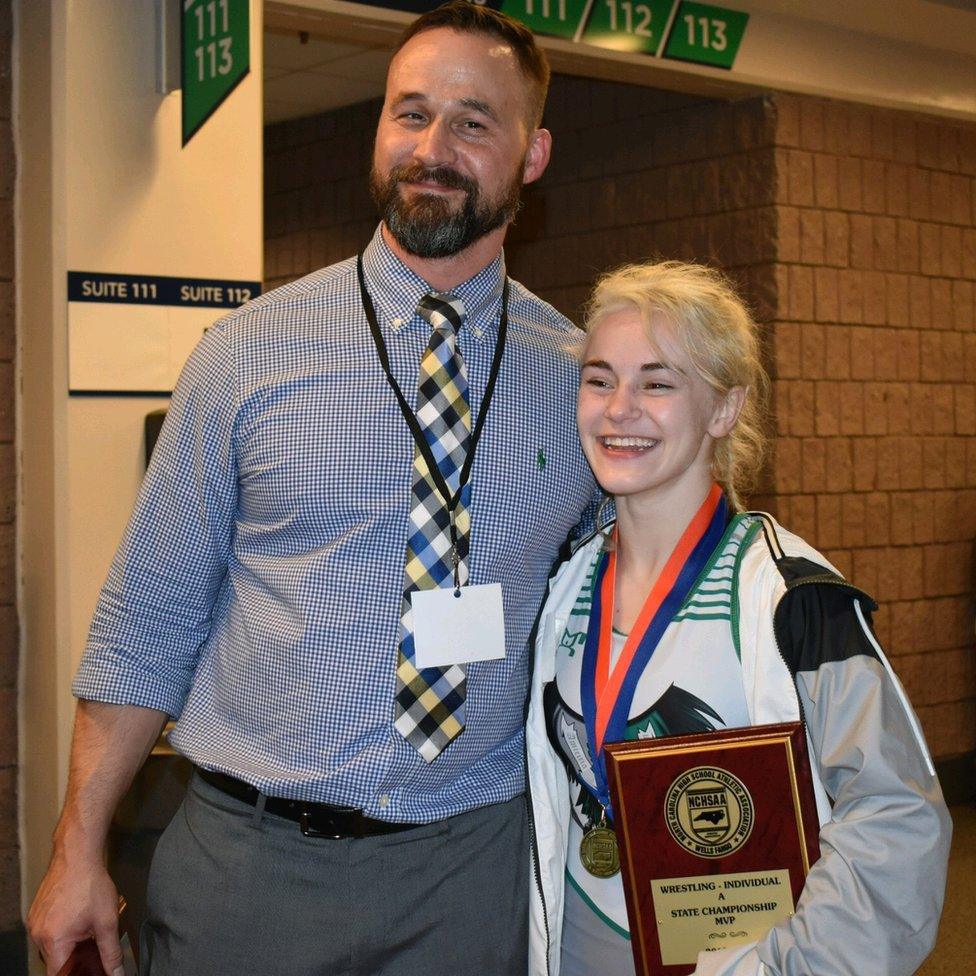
(607, 695)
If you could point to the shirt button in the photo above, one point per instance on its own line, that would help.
(383, 800)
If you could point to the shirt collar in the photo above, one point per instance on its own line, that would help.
(395, 290)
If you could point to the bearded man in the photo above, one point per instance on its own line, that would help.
(331, 573)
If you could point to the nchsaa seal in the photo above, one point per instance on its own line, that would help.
(709, 811)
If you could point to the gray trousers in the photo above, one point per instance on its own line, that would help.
(233, 891)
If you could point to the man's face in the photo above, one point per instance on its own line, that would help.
(454, 143)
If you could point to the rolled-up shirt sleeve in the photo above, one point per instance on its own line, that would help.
(155, 609)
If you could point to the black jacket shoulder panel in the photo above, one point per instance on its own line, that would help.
(796, 570)
(816, 622)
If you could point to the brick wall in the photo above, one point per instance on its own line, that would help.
(875, 378)
(851, 232)
(12, 946)
(317, 205)
(638, 173)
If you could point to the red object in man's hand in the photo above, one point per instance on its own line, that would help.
(83, 961)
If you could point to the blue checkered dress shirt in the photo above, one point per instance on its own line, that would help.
(256, 593)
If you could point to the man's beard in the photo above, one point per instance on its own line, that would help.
(428, 226)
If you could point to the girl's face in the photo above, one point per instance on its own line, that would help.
(647, 419)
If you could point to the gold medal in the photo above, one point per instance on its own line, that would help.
(598, 850)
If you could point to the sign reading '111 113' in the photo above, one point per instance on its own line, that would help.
(215, 56)
(683, 31)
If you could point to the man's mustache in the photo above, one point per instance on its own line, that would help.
(443, 175)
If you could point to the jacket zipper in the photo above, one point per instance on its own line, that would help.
(830, 579)
(536, 868)
(796, 691)
(529, 806)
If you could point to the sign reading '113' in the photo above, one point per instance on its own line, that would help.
(683, 31)
(216, 55)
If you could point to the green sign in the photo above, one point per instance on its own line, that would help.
(705, 34)
(625, 26)
(695, 31)
(216, 55)
(559, 18)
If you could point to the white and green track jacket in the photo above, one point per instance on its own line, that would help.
(871, 903)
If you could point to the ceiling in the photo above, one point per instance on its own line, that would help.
(304, 74)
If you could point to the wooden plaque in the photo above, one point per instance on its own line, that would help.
(717, 832)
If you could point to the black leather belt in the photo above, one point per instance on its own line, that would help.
(315, 819)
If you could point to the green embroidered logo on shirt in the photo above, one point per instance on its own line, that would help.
(572, 641)
(540, 459)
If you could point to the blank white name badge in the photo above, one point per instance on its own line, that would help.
(449, 629)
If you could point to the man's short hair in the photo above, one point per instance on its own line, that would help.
(470, 18)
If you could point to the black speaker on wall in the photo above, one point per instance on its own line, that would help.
(154, 424)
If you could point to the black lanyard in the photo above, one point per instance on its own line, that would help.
(450, 501)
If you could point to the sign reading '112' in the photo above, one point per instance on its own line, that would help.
(683, 31)
(216, 55)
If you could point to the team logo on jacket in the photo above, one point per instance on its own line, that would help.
(709, 811)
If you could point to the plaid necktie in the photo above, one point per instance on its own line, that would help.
(430, 703)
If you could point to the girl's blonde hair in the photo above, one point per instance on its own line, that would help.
(720, 337)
